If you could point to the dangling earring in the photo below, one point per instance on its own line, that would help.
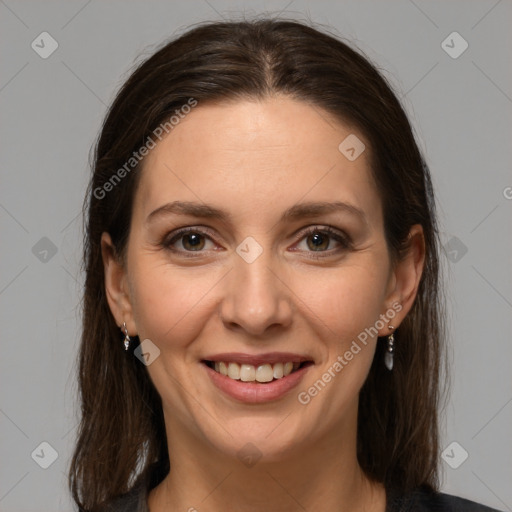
(126, 337)
(388, 356)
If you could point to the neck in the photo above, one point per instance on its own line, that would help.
(322, 476)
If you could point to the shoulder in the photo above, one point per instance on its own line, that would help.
(136, 500)
(133, 501)
(425, 500)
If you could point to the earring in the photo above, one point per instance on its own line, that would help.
(126, 337)
(388, 356)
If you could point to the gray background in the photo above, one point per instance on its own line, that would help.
(51, 112)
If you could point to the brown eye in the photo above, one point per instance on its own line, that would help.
(319, 241)
(193, 241)
(187, 241)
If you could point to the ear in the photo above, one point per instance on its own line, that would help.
(116, 285)
(405, 278)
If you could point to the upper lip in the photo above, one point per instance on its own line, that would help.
(258, 359)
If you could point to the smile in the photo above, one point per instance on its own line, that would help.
(262, 373)
(259, 378)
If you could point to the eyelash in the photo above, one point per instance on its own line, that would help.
(338, 236)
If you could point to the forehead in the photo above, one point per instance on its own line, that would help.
(257, 154)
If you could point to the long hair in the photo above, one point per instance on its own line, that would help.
(122, 435)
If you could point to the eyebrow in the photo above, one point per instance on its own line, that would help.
(297, 211)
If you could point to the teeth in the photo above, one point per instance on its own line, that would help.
(247, 372)
(250, 373)
(278, 370)
(264, 373)
(234, 371)
(287, 369)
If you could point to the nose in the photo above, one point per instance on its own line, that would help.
(257, 299)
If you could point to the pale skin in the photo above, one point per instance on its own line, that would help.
(254, 160)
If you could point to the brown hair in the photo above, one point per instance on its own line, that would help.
(122, 434)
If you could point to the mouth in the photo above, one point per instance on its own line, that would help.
(256, 378)
(264, 373)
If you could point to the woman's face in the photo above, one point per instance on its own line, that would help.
(257, 279)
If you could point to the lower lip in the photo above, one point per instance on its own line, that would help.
(252, 392)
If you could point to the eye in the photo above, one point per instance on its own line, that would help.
(319, 240)
(188, 240)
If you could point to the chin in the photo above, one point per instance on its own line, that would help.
(267, 440)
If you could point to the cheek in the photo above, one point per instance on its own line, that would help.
(169, 303)
(347, 300)
(344, 303)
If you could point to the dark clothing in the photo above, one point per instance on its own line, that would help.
(421, 500)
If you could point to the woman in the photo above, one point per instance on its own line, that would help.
(263, 323)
